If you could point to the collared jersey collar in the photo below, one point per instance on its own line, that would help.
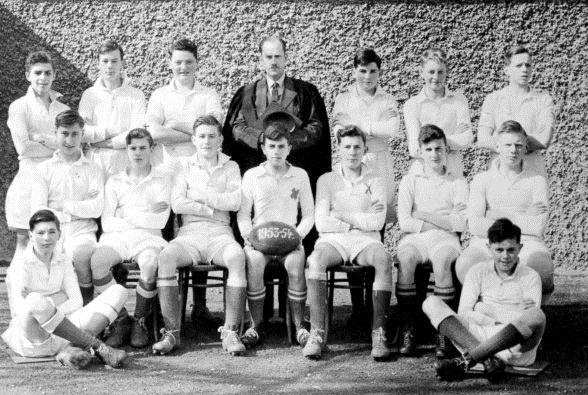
(354, 90)
(222, 159)
(53, 95)
(495, 168)
(99, 83)
(82, 161)
(514, 274)
(532, 94)
(365, 171)
(30, 258)
(154, 173)
(280, 81)
(422, 96)
(420, 172)
(261, 170)
(173, 85)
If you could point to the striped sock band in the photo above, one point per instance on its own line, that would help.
(256, 295)
(296, 295)
(445, 293)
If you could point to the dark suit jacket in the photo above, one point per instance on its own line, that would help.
(311, 143)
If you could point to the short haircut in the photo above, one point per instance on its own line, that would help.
(365, 56)
(503, 229)
(69, 118)
(511, 127)
(139, 133)
(350, 131)
(272, 38)
(43, 216)
(207, 120)
(429, 133)
(38, 57)
(184, 44)
(109, 46)
(275, 131)
(516, 49)
(435, 54)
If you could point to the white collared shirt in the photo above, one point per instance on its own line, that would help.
(128, 204)
(62, 187)
(369, 113)
(336, 192)
(28, 274)
(111, 112)
(28, 116)
(491, 190)
(536, 112)
(504, 296)
(432, 194)
(219, 187)
(270, 84)
(447, 113)
(266, 198)
(169, 103)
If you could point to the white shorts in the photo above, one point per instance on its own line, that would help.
(512, 356)
(18, 342)
(430, 242)
(128, 244)
(17, 206)
(348, 245)
(204, 240)
(77, 233)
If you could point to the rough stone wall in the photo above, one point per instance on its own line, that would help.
(322, 37)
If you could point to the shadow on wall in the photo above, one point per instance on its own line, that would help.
(18, 41)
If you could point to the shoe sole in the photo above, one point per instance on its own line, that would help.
(313, 357)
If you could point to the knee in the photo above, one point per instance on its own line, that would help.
(443, 260)
(541, 262)
(535, 317)
(432, 304)
(148, 263)
(408, 259)
(103, 259)
(235, 261)
(36, 304)
(166, 263)
(466, 260)
(294, 265)
(255, 265)
(316, 263)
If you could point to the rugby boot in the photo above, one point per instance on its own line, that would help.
(452, 369)
(444, 348)
(231, 342)
(407, 345)
(380, 350)
(110, 356)
(168, 342)
(251, 337)
(493, 369)
(315, 344)
(139, 333)
(74, 357)
(302, 336)
(118, 333)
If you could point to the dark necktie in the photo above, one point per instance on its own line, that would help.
(275, 92)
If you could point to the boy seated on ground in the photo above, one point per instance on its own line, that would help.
(350, 211)
(431, 212)
(46, 305)
(136, 208)
(72, 187)
(204, 193)
(499, 320)
(275, 191)
(511, 189)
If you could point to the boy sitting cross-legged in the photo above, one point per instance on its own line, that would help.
(350, 211)
(275, 191)
(431, 210)
(499, 318)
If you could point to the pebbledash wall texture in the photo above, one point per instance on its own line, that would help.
(322, 37)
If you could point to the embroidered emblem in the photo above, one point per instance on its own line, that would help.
(294, 194)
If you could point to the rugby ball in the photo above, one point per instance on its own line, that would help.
(274, 238)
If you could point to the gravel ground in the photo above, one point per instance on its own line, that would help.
(201, 366)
